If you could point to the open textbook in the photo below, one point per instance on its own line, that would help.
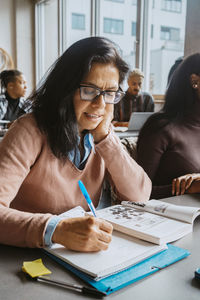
(124, 251)
(156, 221)
(147, 227)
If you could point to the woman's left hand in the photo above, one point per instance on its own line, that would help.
(102, 130)
(184, 183)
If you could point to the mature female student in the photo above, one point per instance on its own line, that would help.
(13, 89)
(168, 144)
(67, 138)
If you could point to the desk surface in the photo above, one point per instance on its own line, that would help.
(126, 134)
(172, 283)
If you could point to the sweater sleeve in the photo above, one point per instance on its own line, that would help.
(150, 149)
(161, 191)
(129, 179)
(19, 150)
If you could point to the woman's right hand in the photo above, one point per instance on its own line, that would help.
(189, 183)
(85, 234)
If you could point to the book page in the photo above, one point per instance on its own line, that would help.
(179, 212)
(144, 225)
(130, 217)
(123, 252)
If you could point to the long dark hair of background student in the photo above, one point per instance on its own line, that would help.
(53, 100)
(179, 97)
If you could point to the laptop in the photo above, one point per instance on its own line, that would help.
(138, 119)
(136, 122)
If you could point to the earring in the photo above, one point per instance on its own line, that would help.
(195, 85)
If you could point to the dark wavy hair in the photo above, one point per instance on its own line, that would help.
(53, 100)
(7, 76)
(180, 97)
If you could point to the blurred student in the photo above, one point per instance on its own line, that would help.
(134, 100)
(68, 137)
(168, 144)
(13, 89)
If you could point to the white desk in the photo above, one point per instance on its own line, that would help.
(172, 283)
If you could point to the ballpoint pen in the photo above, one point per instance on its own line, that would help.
(87, 198)
(78, 288)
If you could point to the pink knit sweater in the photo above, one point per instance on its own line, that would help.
(34, 184)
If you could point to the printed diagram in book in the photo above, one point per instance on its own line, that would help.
(161, 208)
(132, 217)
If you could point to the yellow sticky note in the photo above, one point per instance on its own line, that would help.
(35, 268)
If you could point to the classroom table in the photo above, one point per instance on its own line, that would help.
(172, 283)
(127, 134)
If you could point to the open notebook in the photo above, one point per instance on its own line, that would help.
(127, 260)
(124, 251)
(137, 226)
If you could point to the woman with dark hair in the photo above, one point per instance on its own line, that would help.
(168, 144)
(67, 138)
(13, 89)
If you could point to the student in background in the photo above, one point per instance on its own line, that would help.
(67, 138)
(134, 99)
(168, 144)
(13, 89)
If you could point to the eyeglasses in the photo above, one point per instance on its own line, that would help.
(90, 93)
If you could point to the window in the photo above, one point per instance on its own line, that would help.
(133, 31)
(75, 21)
(172, 5)
(119, 1)
(169, 33)
(59, 23)
(78, 21)
(46, 36)
(113, 26)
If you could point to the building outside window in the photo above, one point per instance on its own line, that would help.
(134, 2)
(167, 44)
(125, 41)
(169, 33)
(172, 5)
(113, 26)
(133, 27)
(60, 23)
(119, 1)
(78, 21)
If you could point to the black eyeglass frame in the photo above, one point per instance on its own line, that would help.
(103, 92)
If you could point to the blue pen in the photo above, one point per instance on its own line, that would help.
(87, 197)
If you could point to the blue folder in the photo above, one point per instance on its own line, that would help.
(121, 279)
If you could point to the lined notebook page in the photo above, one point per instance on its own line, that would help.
(123, 252)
